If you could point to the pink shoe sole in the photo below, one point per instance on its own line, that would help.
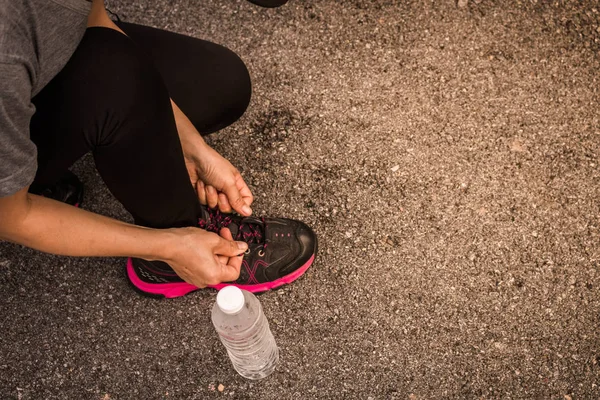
(178, 289)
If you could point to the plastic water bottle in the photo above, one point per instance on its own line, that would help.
(244, 331)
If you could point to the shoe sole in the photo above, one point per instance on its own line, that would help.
(178, 289)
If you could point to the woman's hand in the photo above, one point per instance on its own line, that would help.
(204, 258)
(217, 182)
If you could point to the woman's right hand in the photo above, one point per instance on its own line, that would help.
(204, 258)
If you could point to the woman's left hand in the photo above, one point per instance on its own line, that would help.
(217, 182)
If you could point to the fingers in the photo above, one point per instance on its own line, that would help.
(222, 201)
(207, 259)
(237, 201)
(222, 259)
(231, 271)
(244, 190)
(224, 205)
(201, 190)
(212, 197)
(230, 248)
(225, 234)
(224, 269)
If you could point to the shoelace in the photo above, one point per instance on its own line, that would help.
(247, 231)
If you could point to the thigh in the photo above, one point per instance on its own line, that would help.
(103, 85)
(209, 82)
(111, 99)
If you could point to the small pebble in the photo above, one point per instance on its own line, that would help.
(220, 388)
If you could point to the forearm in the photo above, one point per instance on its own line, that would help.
(57, 228)
(191, 141)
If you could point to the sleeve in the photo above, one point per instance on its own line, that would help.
(18, 154)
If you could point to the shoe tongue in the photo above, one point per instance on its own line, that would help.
(204, 215)
(234, 228)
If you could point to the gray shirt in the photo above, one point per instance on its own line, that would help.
(37, 38)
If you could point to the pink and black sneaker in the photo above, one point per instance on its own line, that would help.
(279, 252)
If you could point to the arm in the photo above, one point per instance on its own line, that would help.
(57, 228)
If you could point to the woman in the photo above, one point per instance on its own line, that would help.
(139, 99)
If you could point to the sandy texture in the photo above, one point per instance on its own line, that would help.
(447, 156)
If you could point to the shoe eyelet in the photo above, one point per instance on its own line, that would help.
(261, 253)
(247, 251)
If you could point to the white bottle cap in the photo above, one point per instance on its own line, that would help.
(230, 299)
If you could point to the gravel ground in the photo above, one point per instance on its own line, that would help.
(447, 156)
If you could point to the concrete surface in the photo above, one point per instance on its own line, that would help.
(447, 156)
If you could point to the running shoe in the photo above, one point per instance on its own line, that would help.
(269, 3)
(279, 251)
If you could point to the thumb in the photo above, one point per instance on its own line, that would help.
(237, 201)
(230, 248)
(225, 233)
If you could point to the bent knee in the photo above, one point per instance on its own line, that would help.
(114, 73)
(228, 96)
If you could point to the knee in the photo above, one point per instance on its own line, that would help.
(241, 86)
(132, 82)
(118, 78)
(111, 85)
(231, 93)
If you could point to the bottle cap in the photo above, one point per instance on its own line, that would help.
(230, 299)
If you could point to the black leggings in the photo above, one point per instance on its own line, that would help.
(112, 98)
